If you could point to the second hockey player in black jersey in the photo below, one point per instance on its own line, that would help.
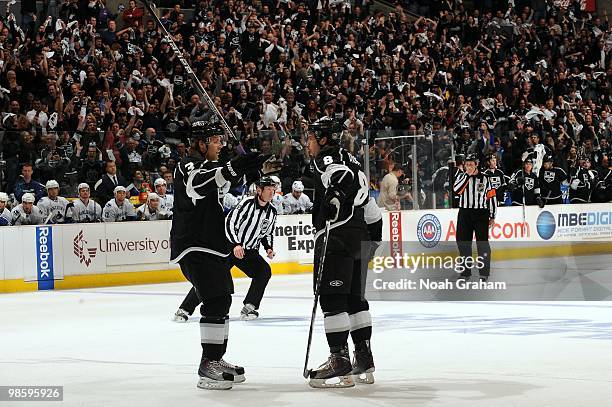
(199, 245)
(525, 186)
(341, 191)
(583, 181)
(550, 180)
(499, 180)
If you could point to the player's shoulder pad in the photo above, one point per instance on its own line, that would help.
(328, 156)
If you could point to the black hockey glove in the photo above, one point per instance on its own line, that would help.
(540, 201)
(520, 181)
(242, 164)
(333, 200)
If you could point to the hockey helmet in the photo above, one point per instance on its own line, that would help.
(328, 128)
(152, 196)
(119, 188)
(266, 182)
(202, 130)
(28, 197)
(3, 197)
(472, 157)
(83, 185)
(51, 184)
(297, 186)
(548, 159)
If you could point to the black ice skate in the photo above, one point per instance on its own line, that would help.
(213, 376)
(248, 312)
(335, 373)
(363, 364)
(236, 371)
(180, 316)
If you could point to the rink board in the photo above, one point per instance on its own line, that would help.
(107, 254)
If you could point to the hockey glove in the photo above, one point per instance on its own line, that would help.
(540, 201)
(574, 184)
(271, 165)
(520, 181)
(240, 165)
(332, 202)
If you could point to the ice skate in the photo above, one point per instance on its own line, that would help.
(363, 364)
(213, 376)
(236, 371)
(335, 373)
(248, 312)
(180, 316)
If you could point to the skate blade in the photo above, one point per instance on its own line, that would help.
(366, 377)
(248, 317)
(210, 384)
(178, 319)
(343, 381)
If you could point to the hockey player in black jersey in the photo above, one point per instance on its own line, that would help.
(198, 243)
(525, 186)
(499, 180)
(341, 191)
(583, 181)
(550, 180)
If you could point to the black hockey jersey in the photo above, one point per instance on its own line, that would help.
(550, 182)
(582, 184)
(529, 183)
(198, 223)
(335, 167)
(499, 181)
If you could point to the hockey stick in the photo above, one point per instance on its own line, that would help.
(523, 205)
(316, 300)
(194, 78)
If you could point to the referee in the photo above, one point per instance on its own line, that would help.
(248, 225)
(477, 209)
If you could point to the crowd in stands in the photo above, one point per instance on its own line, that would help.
(95, 100)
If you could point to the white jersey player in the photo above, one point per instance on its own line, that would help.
(53, 206)
(371, 212)
(84, 209)
(166, 201)
(27, 213)
(119, 209)
(152, 210)
(296, 201)
(5, 214)
(277, 199)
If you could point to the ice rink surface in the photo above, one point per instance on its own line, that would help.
(117, 347)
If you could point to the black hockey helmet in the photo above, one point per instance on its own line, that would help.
(266, 182)
(328, 128)
(202, 130)
(472, 157)
(548, 159)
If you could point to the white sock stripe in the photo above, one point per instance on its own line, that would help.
(226, 330)
(362, 319)
(337, 323)
(212, 333)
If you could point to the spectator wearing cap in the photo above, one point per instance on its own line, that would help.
(5, 214)
(166, 201)
(85, 209)
(27, 185)
(152, 210)
(108, 182)
(296, 201)
(119, 209)
(53, 207)
(26, 213)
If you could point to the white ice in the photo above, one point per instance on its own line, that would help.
(118, 347)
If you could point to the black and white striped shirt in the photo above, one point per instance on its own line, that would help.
(476, 192)
(250, 224)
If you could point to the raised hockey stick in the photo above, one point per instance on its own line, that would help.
(194, 78)
(316, 299)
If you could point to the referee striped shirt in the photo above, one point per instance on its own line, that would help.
(250, 224)
(475, 192)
